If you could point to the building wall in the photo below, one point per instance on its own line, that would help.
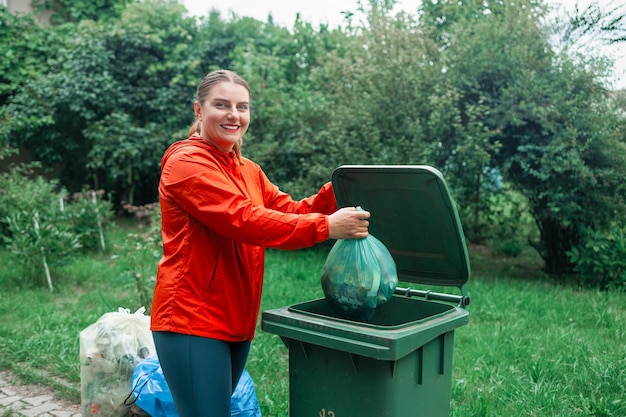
(23, 6)
(15, 6)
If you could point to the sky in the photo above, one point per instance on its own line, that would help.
(329, 12)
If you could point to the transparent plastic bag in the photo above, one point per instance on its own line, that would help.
(110, 349)
(358, 276)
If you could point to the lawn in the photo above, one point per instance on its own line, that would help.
(533, 346)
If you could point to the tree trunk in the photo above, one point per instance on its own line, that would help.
(556, 240)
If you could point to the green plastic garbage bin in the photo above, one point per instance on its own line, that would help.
(399, 363)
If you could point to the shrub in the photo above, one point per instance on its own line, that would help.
(141, 251)
(20, 190)
(508, 225)
(39, 242)
(42, 226)
(90, 213)
(599, 259)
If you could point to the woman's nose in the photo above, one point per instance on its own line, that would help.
(232, 113)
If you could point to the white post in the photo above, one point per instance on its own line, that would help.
(95, 204)
(43, 253)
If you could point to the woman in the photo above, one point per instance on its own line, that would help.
(219, 212)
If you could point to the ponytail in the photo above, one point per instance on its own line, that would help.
(237, 150)
(195, 127)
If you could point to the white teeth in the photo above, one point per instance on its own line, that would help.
(230, 127)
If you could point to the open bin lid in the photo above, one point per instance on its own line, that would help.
(413, 214)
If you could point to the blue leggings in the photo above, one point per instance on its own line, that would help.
(201, 373)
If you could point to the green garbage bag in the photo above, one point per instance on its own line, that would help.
(358, 275)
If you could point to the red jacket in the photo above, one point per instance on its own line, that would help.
(218, 215)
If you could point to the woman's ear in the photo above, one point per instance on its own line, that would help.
(197, 110)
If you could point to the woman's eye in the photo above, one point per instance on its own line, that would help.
(242, 107)
(220, 105)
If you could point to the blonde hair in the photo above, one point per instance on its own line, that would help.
(208, 82)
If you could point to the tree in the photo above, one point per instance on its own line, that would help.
(383, 98)
(63, 11)
(289, 110)
(25, 48)
(569, 159)
(557, 138)
(137, 71)
(218, 39)
(480, 90)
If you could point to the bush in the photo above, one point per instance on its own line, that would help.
(599, 259)
(141, 251)
(41, 226)
(507, 224)
(89, 213)
(39, 242)
(19, 190)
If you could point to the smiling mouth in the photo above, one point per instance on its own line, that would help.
(232, 128)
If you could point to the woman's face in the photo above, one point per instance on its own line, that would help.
(224, 115)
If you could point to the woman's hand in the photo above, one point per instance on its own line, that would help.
(349, 223)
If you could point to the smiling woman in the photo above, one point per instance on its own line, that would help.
(219, 212)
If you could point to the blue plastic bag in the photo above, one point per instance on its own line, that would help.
(153, 396)
(244, 402)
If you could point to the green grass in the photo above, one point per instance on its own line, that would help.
(533, 347)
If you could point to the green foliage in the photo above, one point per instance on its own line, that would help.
(25, 48)
(494, 95)
(113, 86)
(76, 10)
(18, 192)
(39, 242)
(123, 154)
(599, 258)
(218, 39)
(278, 71)
(546, 142)
(141, 251)
(591, 24)
(34, 227)
(503, 222)
(7, 151)
(569, 163)
(89, 213)
(42, 229)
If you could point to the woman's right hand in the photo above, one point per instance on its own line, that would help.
(349, 223)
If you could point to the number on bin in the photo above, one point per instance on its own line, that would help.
(328, 413)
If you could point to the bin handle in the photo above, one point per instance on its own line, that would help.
(462, 300)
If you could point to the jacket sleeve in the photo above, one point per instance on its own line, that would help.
(323, 202)
(210, 197)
